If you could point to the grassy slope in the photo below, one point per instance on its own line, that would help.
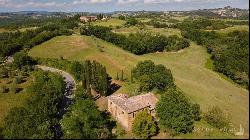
(165, 31)
(188, 67)
(110, 22)
(126, 30)
(205, 86)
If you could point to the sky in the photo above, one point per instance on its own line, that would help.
(116, 5)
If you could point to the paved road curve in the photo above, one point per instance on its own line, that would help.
(71, 84)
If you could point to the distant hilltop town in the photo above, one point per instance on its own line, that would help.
(229, 11)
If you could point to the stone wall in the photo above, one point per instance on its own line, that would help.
(125, 119)
(120, 115)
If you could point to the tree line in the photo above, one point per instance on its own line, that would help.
(12, 42)
(92, 75)
(14, 22)
(138, 43)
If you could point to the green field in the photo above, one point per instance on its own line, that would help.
(179, 17)
(165, 31)
(126, 30)
(10, 100)
(199, 83)
(110, 22)
(143, 19)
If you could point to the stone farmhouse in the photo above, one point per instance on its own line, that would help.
(88, 18)
(124, 108)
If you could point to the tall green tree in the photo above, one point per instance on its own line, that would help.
(174, 112)
(88, 124)
(21, 59)
(144, 125)
(152, 76)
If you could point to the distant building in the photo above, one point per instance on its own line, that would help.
(125, 109)
(88, 18)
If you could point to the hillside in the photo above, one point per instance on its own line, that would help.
(188, 67)
(165, 72)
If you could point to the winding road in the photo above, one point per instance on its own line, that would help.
(71, 84)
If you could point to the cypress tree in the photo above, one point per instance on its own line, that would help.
(84, 83)
(94, 72)
(105, 82)
(132, 80)
(117, 76)
(122, 76)
(87, 65)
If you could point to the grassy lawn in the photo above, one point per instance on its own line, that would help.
(143, 19)
(10, 99)
(202, 130)
(179, 17)
(199, 83)
(127, 30)
(165, 31)
(111, 22)
(61, 46)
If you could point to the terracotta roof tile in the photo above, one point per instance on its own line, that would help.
(134, 103)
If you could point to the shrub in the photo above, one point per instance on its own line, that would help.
(119, 130)
(4, 89)
(18, 80)
(144, 125)
(217, 118)
(196, 111)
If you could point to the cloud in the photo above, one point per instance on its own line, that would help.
(90, 1)
(163, 1)
(123, 2)
(4, 2)
(186, 1)
(91, 5)
(35, 4)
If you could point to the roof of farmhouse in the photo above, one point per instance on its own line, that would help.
(134, 103)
